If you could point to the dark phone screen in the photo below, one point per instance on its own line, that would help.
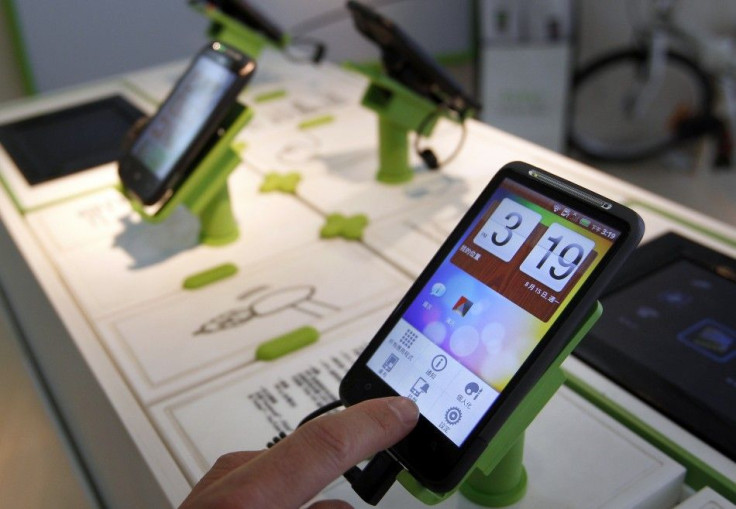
(488, 305)
(182, 116)
(60, 143)
(672, 338)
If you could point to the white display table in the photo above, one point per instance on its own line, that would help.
(155, 382)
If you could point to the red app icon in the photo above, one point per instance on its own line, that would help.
(462, 306)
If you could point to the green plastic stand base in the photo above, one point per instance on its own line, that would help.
(400, 112)
(233, 33)
(205, 192)
(218, 224)
(505, 485)
(393, 146)
(498, 478)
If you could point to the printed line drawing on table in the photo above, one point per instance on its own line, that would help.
(104, 213)
(300, 149)
(299, 298)
(311, 103)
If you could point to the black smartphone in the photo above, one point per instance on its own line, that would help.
(168, 146)
(490, 313)
(406, 62)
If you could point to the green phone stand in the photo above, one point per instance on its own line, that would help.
(205, 192)
(400, 111)
(233, 33)
(498, 478)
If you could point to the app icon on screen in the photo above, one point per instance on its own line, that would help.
(390, 362)
(453, 415)
(462, 306)
(712, 339)
(439, 362)
(438, 289)
(473, 390)
(419, 387)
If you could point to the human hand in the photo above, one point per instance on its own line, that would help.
(297, 468)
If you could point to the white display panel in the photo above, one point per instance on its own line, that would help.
(261, 399)
(145, 262)
(706, 499)
(137, 328)
(218, 328)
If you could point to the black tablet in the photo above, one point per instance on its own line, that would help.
(668, 335)
(69, 140)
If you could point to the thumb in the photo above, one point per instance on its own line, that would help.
(301, 465)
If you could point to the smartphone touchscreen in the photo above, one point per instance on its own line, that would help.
(482, 317)
(169, 144)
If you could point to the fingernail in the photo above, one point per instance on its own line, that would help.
(405, 409)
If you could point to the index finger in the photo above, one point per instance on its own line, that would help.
(300, 466)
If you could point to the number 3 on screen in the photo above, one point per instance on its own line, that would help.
(507, 229)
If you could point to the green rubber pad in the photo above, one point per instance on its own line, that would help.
(270, 95)
(210, 276)
(316, 122)
(287, 343)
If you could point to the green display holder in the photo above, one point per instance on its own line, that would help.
(233, 33)
(400, 112)
(205, 192)
(499, 478)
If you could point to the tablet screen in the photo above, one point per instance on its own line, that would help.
(669, 337)
(66, 141)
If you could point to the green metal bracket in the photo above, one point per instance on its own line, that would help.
(205, 192)
(498, 477)
(400, 112)
(233, 33)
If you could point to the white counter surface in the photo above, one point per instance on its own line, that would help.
(156, 381)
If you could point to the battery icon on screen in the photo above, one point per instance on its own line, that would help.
(584, 222)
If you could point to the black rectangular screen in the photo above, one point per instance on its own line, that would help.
(66, 141)
(668, 335)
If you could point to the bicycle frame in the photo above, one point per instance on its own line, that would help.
(716, 56)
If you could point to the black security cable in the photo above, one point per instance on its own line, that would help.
(329, 407)
(427, 155)
(372, 482)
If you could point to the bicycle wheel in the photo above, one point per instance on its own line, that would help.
(602, 125)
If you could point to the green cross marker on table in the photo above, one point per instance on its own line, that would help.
(350, 228)
(283, 182)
